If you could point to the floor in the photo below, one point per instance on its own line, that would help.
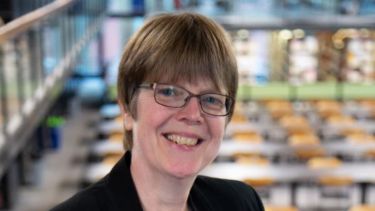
(59, 173)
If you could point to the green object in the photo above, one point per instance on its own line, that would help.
(358, 91)
(316, 91)
(275, 90)
(321, 90)
(112, 92)
(55, 121)
(244, 92)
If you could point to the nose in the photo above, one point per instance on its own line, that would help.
(191, 112)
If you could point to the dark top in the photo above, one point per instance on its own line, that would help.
(116, 192)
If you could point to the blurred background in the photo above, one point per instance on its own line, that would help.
(303, 132)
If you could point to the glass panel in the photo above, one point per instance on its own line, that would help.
(80, 22)
(35, 49)
(2, 141)
(51, 46)
(253, 51)
(1, 119)
(358, 54)
(87, 62)
(11, 84)
(69, 19)
(1, 111)
(25, 67)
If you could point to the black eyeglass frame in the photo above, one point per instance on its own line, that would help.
(228, 103)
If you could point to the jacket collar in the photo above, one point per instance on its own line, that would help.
(122, 186)
(125, 195)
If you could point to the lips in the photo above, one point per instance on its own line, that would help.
(182, 140)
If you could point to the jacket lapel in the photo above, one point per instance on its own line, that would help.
(122, 187)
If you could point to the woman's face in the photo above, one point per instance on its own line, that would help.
(177, 142)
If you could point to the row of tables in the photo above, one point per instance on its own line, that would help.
(356, 166)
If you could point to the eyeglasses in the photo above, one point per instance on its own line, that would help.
(177, 97)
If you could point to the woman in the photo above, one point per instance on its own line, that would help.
(177, 84)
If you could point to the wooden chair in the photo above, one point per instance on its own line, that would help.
(263, 186)
(361, 138)
(115, 154)
(326, 108)
(295, 125)
(335, 180)
(324, 163)
(336, 192)
(250, 159)
(239, 118)
(296, 140)
(292, 120)
(239, 154)
(363, 207)
(279, 208)
(238, 114)
(119, 119)
(247, 136)
(111, 159)
(117, 139)
(370, 154)
(259, 182)
(279, 108)
(340, 120)
(352, 130)
(116, 136)
(309, 152)
(369, 105)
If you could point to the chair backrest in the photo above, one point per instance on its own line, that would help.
(363, 207)
(263, 186)
(251, 159)
(310, 152)
(259, 182)
(248, 136)
(370, 153)
(303, 140)
(280, 208)
(336, 193)
(335, 180)
(324, 162)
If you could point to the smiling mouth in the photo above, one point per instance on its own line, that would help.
(182, 140)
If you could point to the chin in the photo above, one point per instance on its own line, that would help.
(183, 172)
(184, 175)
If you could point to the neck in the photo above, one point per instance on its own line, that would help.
(159, 191)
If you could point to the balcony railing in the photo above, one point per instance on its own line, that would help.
(37, 53)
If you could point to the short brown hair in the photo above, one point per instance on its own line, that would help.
(176, 46)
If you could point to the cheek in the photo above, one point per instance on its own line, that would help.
(217, 129)
(150, 117)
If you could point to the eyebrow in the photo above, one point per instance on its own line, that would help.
(206, 91)
(211, 90)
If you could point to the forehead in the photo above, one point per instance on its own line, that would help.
(198, 85)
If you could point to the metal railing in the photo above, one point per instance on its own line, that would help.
(37, 53)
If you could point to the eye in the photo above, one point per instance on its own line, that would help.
(167, 91)
(213, 100)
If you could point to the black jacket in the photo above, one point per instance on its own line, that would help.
(116, 192)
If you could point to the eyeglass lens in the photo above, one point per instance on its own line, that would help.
(173, 96)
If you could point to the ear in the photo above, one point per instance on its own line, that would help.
(126, 116)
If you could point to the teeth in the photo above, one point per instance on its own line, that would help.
(182, 140)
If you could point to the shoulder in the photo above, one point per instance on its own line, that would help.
(89, 199)
(229, 193)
